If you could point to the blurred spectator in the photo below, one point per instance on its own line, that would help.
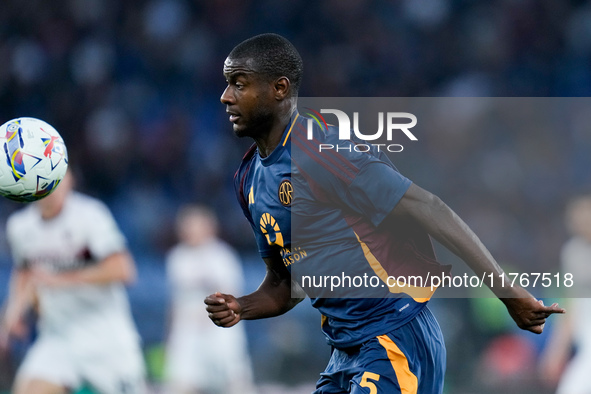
(70, 264)
(202, 358)
(572, 373)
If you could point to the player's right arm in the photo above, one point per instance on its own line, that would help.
(20, 299)
(21, 291)
(272, 298)
(116, 267)
(452, 232)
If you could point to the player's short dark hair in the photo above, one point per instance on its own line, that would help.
(273, 56)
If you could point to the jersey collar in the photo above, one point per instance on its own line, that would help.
(284, 142)
(287, 132)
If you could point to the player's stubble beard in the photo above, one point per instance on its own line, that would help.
(257, 125)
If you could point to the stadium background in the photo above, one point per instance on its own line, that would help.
(134, 89)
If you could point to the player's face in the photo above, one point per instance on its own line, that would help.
(52, 204)
(195, 228)
(248, 98)
(580, 220)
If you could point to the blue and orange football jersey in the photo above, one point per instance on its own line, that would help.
(326, 212)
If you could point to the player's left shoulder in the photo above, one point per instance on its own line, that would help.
(86, 208)
(85, 200)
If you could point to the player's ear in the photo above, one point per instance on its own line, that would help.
(282, 88)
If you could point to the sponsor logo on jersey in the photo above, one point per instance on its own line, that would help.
(293, 255)
(270, 228)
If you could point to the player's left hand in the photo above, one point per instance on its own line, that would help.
(530, 314)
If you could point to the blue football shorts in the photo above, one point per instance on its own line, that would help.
(410, 359)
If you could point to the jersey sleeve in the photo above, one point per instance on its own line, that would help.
(265, 250)
(376, 190)
(242, 192)
(364, 182)
(104, 236)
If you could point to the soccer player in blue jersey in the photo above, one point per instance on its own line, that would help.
(353, 215)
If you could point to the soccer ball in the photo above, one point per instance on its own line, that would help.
(33, 159)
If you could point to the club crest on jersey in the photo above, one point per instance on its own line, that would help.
(270, 228)
(285, 193)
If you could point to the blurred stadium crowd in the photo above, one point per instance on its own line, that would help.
(133, 87)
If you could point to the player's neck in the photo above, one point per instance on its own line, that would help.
(50, 212)
(267, 142)
(51, 207)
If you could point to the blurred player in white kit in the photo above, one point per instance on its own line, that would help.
(70, 256)
(572, 375)
(201, 357)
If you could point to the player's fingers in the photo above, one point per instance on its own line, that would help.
(231, 322)
(227, 320)
(226, 297)
(224, 321)
(538, 314)
(537, 322)
(217, 308)
(214, 299)
(537, 329)
(542, 310)
(554, 308)
(221, 314)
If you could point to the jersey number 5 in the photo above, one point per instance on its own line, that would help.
(371, 385)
